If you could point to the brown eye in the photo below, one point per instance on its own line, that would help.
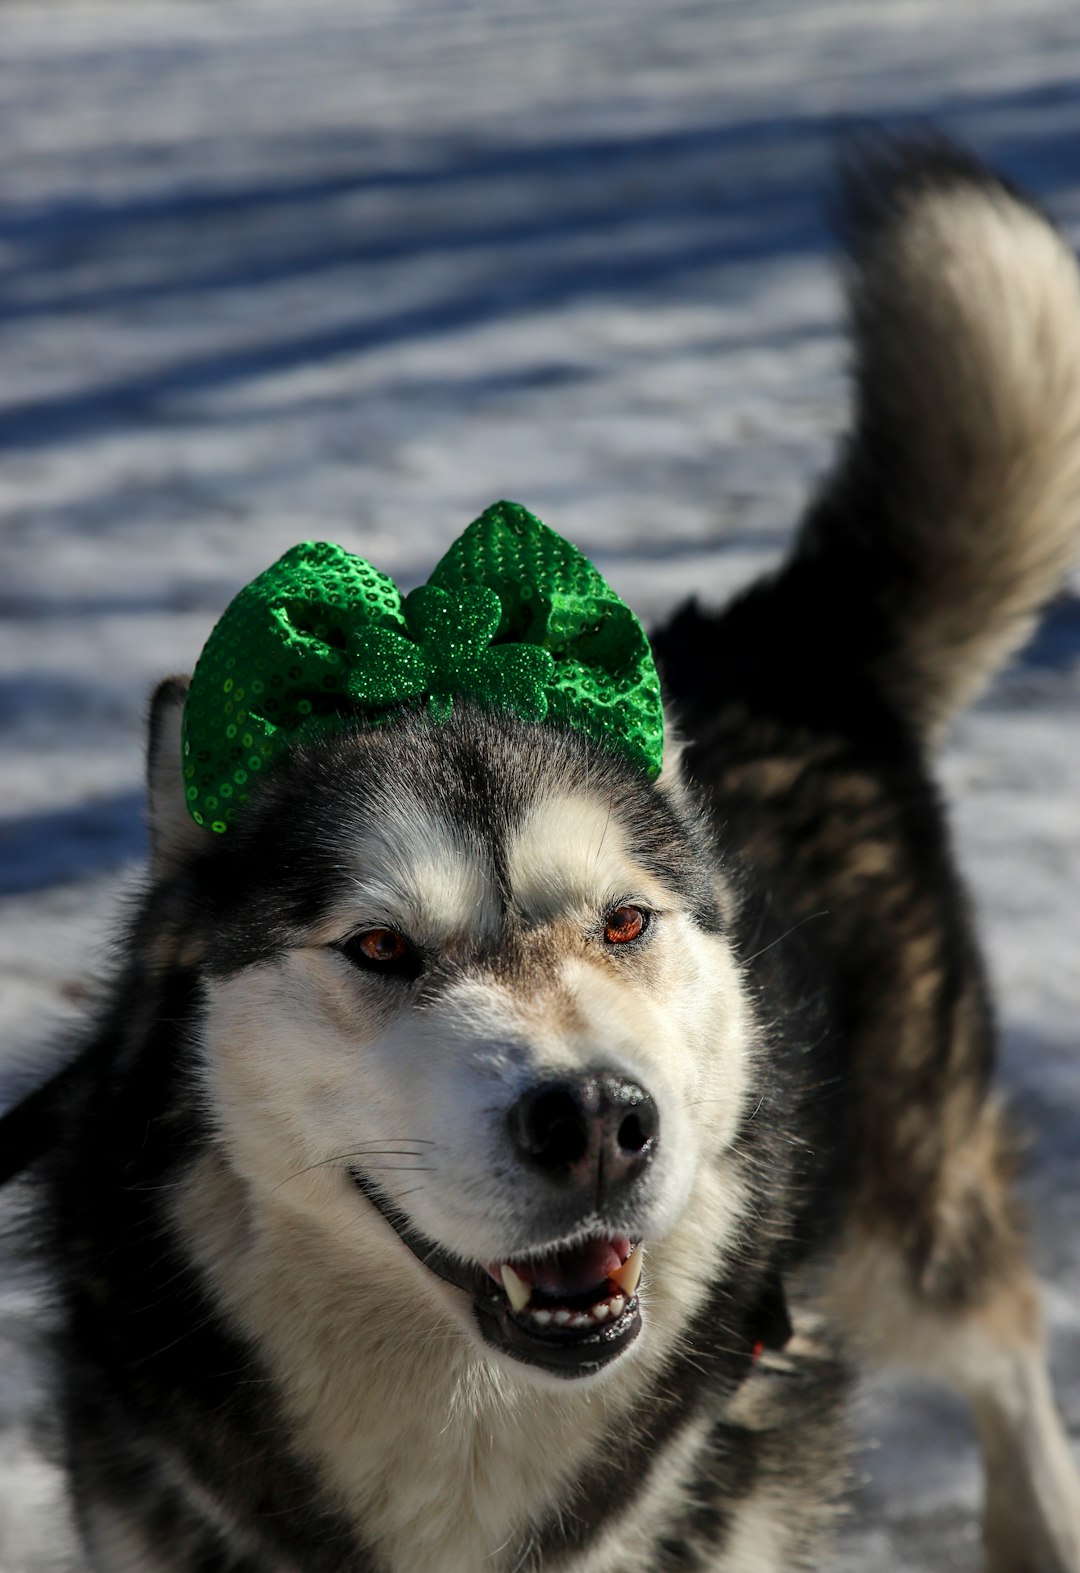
(382, 945)
(623, 924)
(383, 950)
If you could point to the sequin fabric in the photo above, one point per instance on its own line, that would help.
(514, 618)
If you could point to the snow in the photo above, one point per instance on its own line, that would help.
(271, 271)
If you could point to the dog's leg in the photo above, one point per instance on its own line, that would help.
(1031, 1517)
(961, 1307)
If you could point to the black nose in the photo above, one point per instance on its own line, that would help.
(593, 1130)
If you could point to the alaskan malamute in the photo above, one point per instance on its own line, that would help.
(491, 1149)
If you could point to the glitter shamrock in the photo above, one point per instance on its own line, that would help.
(455, 633)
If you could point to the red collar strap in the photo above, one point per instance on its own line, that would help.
(771, 1324)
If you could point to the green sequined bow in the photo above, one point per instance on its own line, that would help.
(514, 618)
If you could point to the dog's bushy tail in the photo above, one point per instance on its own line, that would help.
(954, 510)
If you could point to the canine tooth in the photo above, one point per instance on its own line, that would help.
(541, 1318)
(616, 1305)
(517, 1290)
(561, 1318)
(629, 1273)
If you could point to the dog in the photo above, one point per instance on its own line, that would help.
(491, 1157)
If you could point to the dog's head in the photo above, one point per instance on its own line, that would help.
(470, 1008)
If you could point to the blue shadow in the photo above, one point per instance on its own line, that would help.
(65, 844)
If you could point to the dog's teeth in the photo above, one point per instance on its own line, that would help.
(625, 1279)
(517, 1290)
(629, 1273)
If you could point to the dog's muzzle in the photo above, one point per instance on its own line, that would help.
(569, 1311)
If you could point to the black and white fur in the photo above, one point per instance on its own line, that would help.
(277, 1174)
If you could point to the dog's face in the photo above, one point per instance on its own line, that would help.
(468, 985)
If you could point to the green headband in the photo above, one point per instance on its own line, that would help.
(513, 618)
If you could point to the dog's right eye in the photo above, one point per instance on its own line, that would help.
(383, 950)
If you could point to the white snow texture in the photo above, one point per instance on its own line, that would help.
(273, 271)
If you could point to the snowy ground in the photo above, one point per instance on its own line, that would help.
(271, 271)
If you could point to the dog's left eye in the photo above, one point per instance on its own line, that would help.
(383, 950)
(624, 924)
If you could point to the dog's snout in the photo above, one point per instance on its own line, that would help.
(593, 1130)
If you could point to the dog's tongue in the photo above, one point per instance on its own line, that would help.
(574, 1271)
(597, 1268)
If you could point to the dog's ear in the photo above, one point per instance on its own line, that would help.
(672, 777)
(173, 832)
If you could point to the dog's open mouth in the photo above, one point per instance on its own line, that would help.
(569, 1311)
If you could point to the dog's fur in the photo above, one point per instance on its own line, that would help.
(256, 1373)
